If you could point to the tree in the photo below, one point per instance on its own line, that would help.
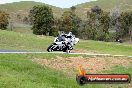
(3, 20)
(90, 26)
(26, 20)
(86, 30)
(42, 19)
(66, 21)
(73, 8)
(70, 22)
(129, 24)
(114, 22)
(104, 21)
(11, 24)
(103, 27)
(19, 18)
(130, 34)
(97, 10)
(96, 25)
(126, 24)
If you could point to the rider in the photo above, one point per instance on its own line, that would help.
(69, 35)
(70, 38)
(65, 38)
(61, 37)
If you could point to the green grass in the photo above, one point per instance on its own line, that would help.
(20, 41)
(106, 47)
(18, 71)
(25, 30)
(119, 70)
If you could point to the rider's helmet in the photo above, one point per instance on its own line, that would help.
(69, 34)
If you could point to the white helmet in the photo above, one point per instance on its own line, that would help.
(69, 34)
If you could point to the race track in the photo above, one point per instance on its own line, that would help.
(38, 52)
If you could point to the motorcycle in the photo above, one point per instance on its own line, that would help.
(65, 46)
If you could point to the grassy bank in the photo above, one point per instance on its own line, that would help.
(18, 71)
(19, 41)
(106, 47)
(29, 42)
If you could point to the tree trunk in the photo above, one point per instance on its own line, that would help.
(130, 36)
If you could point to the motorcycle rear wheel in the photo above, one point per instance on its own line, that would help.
(66, 50)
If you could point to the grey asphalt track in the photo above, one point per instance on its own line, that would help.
(43, 52)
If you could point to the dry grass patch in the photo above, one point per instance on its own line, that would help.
(83, 51)
(91, 64)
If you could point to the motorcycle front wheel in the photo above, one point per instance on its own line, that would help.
(50, 48)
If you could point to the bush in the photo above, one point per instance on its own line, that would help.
(3, 20)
